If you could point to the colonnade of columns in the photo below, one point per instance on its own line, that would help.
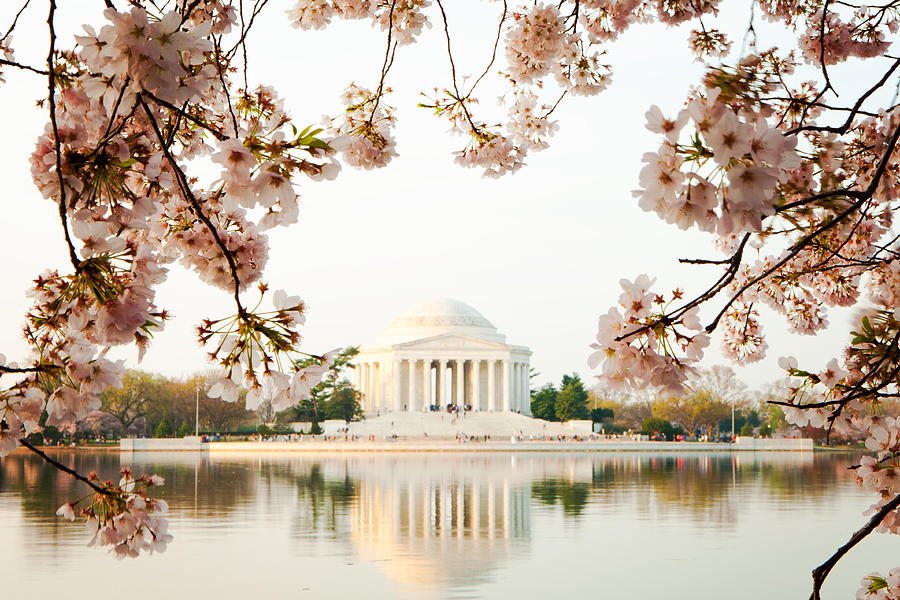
(416, 384)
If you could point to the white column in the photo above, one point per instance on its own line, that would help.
(492, 392)
(426, 384)
(460, 383)
(382, 386)
(367, 399)
(411, 401)
(514, 388)
(441, 384)
(526, 390)
(395, 378)
(378, 380)
(476, 391)
(507, 368)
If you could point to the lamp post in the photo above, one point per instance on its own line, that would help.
(732, 421)
(197, 407)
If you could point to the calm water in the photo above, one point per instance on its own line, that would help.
(386, 526)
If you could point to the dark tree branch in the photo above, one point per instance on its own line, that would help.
(386, 65)
(821, 572)
(184, 186)
(188, 117)
(51, 97)
(58, 465)
(854, 110)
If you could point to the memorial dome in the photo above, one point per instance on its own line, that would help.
(436, 317)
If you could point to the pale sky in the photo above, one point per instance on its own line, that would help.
(538, 253)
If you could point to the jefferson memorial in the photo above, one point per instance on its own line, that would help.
(443, 355)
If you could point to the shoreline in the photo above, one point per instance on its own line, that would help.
(318, 446)
(194, 444)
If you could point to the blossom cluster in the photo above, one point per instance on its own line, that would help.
(405, 19)
(725, 178)
(637, 346)
(123, 516)
(362, 134)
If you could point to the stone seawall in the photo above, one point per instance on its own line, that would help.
(318, 445)
(191, 443)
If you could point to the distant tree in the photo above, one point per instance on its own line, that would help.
(658, 426)
(312, 408)
(266, 412)
(765, 430)
(543, 403)
(344, 402)
(573, 379)
(721, 383)
(163, 429)
(139, 392)
(747, 429)
(571, 401)
(602, 415)
(692, 412)
(183, 430)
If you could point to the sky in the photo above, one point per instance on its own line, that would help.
(539, 253)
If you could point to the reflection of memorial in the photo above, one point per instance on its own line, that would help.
(440, 519)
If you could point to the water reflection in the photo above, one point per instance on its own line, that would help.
(432, 524)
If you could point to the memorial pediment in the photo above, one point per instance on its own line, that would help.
(449, 341)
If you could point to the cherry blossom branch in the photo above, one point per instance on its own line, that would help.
(245, 29)
(734, 263)
(187, 116)
(821, 572)
(494, 51)
(854, 110)
(386, 66)
(36, 369)
(803, 102)
(185, 188)
(15, 21)
(218, 50)
(828, 85)
(51, 98)
(18, 65)
(58, 465)
(459, 97)
(863, 196)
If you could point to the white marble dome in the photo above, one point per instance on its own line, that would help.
(436, 317)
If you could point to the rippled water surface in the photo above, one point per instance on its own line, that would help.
(441, 525)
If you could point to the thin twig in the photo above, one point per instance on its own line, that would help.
(51, 97)
(15, 20)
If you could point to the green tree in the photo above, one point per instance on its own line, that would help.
(571, 401)
(312, 408)
(183, 430)
(657, 426)
(140, 391)
(163, 429)
(543, 403)
(747, 429)
(344, 402)
(602, 415)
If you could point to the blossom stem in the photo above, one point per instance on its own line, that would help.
(65, 469)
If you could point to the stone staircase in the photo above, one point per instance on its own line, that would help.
(441, 425)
